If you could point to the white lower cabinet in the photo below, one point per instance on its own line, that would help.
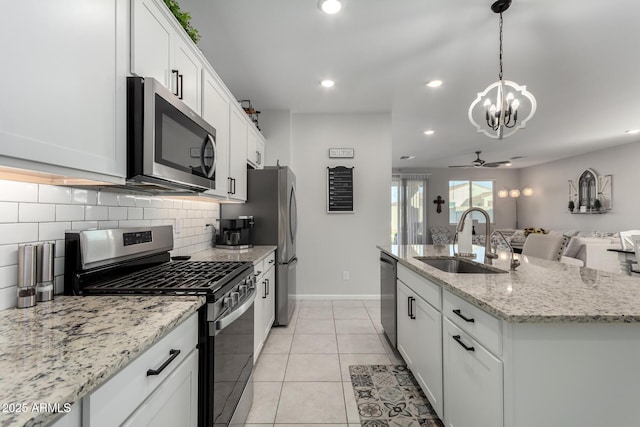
(159, 388)
(175, 402)
(420, 342)
(473, 381)
(265, 304)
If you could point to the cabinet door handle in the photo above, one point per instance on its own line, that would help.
(229, 188)
(177, 73)
(413, 300)
(264, 293)
(271, 261)
(268, 286)
(409, 307)
(181, 86)
(172, 355)
(459, 341)
(466, 319)
(233, 180)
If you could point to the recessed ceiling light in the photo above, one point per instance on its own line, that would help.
(330, 7)
(633, 131)
(327, 83)
(429, 132)
(508, 164)
(407, 157)
(434, 83)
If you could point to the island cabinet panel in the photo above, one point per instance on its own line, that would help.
(420, 342)
(574, 374)
(473, 382)
(265, 304)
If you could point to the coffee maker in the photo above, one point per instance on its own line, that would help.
(235, 233)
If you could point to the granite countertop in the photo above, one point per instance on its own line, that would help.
(253, 254)
(540, 291)
(59, 351)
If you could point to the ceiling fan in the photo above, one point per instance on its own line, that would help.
(479, 163)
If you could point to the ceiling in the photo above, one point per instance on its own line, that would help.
(579, 58)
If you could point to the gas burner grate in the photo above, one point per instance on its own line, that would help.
(177, 277)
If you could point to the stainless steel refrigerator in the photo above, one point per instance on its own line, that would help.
(271, 199)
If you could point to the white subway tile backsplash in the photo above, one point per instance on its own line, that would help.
(8, 212)
(96, 213)
(36, 212)
(125, 200)
(107, 224)
(8, 297)
(8, 276)
(18, 233)
(84, 225)
(13, 191)
(8, 255)
(107, 199)
(53, 194)
(69, 213)
(134, 223)
(31, 213)
(52, 230)
(143, 202)
(81, 196)
(135, 213)
(58, 285)
(117, 213)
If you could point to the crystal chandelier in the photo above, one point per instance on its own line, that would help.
(500, 104)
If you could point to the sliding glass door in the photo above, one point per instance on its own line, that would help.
(409, 210)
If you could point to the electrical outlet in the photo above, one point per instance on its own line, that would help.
(345, 275)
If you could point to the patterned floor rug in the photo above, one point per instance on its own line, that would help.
(388, 396)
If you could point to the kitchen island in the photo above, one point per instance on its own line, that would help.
(59, 351)
(548, 344)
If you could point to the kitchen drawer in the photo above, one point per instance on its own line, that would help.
(426, 289)
(115, 400)
(258, 268)
(269, 261)
(482, 326)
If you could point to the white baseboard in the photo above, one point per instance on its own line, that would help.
(336, 297)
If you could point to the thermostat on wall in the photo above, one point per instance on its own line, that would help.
(341, 153)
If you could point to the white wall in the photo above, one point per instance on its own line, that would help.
(276, 128)
(548, 207)
(329, 244)
(35, 212)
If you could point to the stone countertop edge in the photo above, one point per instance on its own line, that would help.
(254, 254)
(526, 311)
(59, 351)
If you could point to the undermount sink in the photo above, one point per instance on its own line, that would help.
(457, 265)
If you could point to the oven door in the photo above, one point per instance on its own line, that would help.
(233, 364)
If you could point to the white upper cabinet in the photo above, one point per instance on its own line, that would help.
(64, 96)
(255, 148)
(215, 110)
(160, 49)
(238, 154)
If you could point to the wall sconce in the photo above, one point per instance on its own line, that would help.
(515, 192)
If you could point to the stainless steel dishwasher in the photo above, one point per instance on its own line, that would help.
(388, 273)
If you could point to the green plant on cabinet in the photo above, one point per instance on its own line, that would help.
(184, 19)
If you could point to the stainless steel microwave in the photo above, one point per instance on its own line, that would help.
(169, 146)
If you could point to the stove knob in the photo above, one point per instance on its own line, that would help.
(227, 302)
(243, 289)
(235, 297)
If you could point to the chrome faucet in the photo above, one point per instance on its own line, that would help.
(487, 222)
(492, 255)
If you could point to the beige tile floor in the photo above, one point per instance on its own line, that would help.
(302, 375)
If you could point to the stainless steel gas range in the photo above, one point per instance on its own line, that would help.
(137, 261)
